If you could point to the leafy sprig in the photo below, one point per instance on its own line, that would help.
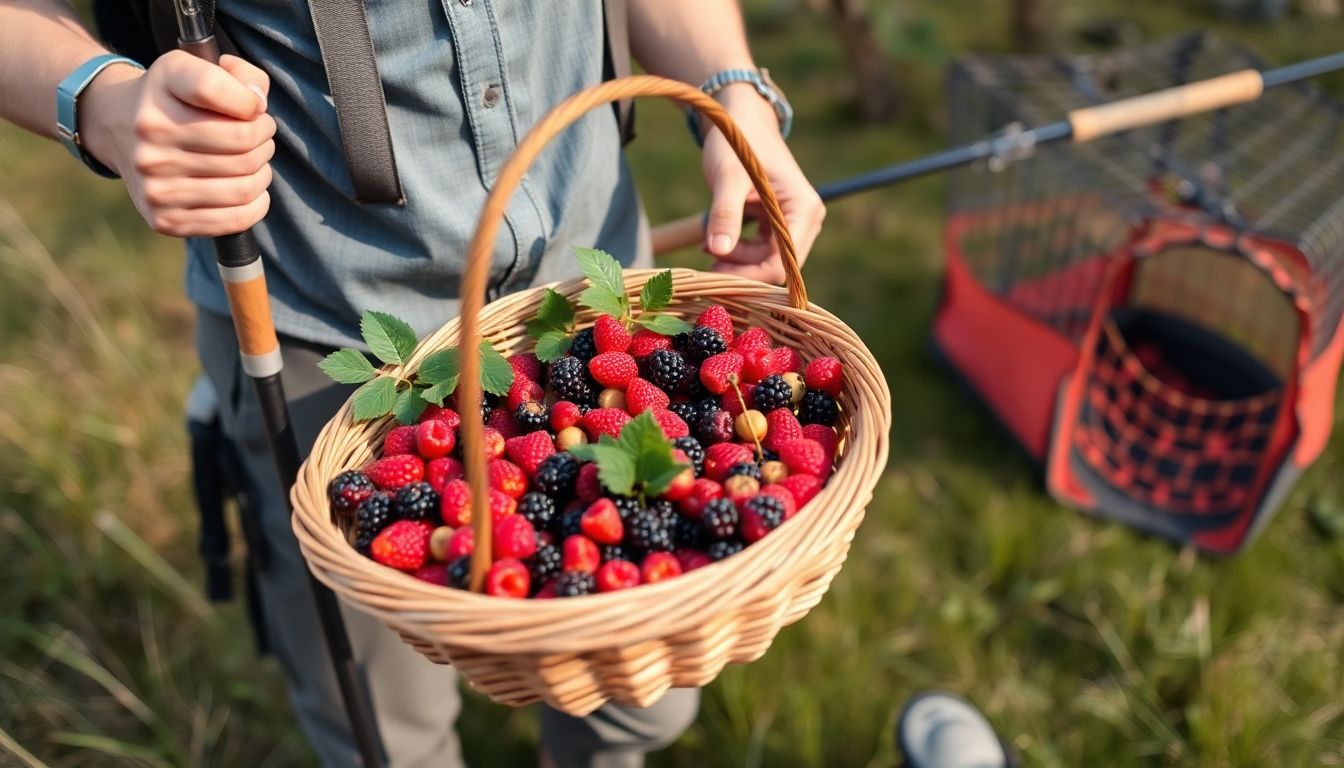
(640, 461)
(392, 342)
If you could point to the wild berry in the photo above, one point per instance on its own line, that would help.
(584, 346)
(348, 490)
(575, 583)
(538, 509)
(417, 501)
(693, 450)
(667, 370)
(721, 549)
(704, 343)
(773, 392)
(647, 531)
(544, 564)
(570, 380)
(556, 475)
(532, 416)
(818, 408)
(720, 519)
(374, 514)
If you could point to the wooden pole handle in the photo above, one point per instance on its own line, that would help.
(1223, 91)
(679, 234)
(483, 243)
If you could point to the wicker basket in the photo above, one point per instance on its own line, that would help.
(629, 646)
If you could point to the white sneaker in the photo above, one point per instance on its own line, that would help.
(939, 730)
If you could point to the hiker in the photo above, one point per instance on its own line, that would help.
(373, 209)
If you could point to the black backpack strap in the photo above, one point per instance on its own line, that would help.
(616, 16)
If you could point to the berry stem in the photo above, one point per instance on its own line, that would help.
(755, 438)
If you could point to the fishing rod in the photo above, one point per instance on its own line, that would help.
(1081, 125)
(239, 258)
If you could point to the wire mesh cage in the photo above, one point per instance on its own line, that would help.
(1154, 315)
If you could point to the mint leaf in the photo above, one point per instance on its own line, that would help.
(390, 339)
(601, 269)
(440, 392)
(643, 440)
(409, 405)
(552, 346)
(600, 299)
(375, 399)
(555, 314)
(664, 324)
(496, 373)
(615, 467)
(348, 366)
(657, 292)
(439, 367)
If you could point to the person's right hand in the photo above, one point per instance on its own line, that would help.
(191, 140)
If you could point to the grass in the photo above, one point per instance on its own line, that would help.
(1085, 643)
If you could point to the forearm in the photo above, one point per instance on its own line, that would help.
(688, 40)
(41, 42)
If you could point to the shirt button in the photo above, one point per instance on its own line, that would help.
(491, 96)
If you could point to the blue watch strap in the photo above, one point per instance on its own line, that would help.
(67, 106)
(760, 80)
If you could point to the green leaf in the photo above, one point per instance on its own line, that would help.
(496, 373)
(601, 269)
(664, 324)
(390, 338)
(552, 346)
(555, 314)
(375, 399)
(409, 405)
(644, 442)
(615, 467)
(657, 292)
(603, 301)
(441, 391)
(439, 367)
(348, 366)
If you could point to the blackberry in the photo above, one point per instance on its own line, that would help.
(716, 427)
(749, 468)
(688, 533)
(695, 389)
(538, 509)
(348, 490)
(616, 552)
(569, 524)
(459, 573)
(818, 408)
(583, 346)
(773, 392)
(664, 509)
(532, 416)
(574, 584)
(646, 531)
(680, 340)
(417, 501)
(667, 369)
(768, 508)
(686, 411)
(570, 380)
(693, 449)
(705, 406)
(704, 343)
(556, 475)
(627, 506)
(544, 564)
(721, 549)
(374, 514)
(719, 519)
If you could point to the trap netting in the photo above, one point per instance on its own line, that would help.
(1153, 314)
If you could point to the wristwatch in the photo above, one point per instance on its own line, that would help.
(67, 107)
(760, 80)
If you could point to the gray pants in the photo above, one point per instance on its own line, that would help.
(416, 701)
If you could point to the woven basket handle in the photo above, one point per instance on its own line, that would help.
(483, 244)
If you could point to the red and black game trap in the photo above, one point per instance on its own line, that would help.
(1154, 314)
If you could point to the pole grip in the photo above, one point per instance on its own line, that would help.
(1223, 91)
(680, 233)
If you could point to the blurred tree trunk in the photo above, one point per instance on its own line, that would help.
(1031, 25)
(878, 97)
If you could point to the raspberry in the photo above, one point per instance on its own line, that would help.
(785, 497)
(545, 563)
(703, 492)
(803, 487)
(690, 559)
(493, 440)
(531, 416)
(715, 427)
(557, 475)
(460, 544)
(704, 343)
(455, 503)
(442, 413)
(761, 515)
(772, 393)
(825, 374)
(441, 470)
(720, 457)
(530, 450)
(671, 424)
(508, 578)
(523, 391)
(730, 402)
(604, 421)
(527, 366)
(538, 509)
(783, 359)
(613, 369)
(348, 490)
(720, 519)
(616, 575)
(564, 414)
(393, 472)
(688, 532)
(373, 515)
(433, 573)
(434, 439)
(679, 487)
(416, 501)
(824, 435)
(403, 545)
(575, 584)
(610, 335)
(502, 505)
(602, 523)
(805, 457)
(648, 532)
(659, 566)
(667, 370)
(752, 338)
(693, 450)
(506, 476)
(400, 441)
(642, 395)
(459, 573)
(581, 554)
(584, 346)
(818, 408)
(716, 371)
(756, 364)
(570, 380)
(587, 487)
(502, 422)
(723, 549)
(717, 317)
(781, 427)
(513, 537)
(646, 342)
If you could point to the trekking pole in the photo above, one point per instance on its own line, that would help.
(240, 266)
(1081, 125)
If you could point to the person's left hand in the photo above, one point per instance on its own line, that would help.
(733, 195)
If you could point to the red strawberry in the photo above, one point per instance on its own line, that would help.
(785, 497)
(803, 487)
(825, 435)
(755, 364)
(530, 450)
(445, 414)
(690, 559)
(613, 369)
(702, 492)
(493, 440)
(720, 457)
(641, 395)
(435, 439)
(752, 338)
(502, 422)
(781, 427)
(610, 335)
(513, 537)
(805, 457)
(604, 421)
(502, 505)
(784, 359)
(715, 371)
(672, 425)
(602, 522)
(659, 566)
(508, 578)
(733, 405)
(460, 544)
(717, 317)
(403, 545)
(617, 574)
(526, 366)
(441, 470)
(393, 472)
(581, 554)
(564, 414)
(523, 391)
(588, 487)
(646, 342)
(826, 374)
(434, 573)
(400, 441)
(455, 503)
(507, 477)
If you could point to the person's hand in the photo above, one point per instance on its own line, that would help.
(733, 195)
(191, 140)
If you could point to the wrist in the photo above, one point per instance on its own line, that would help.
(106, 114)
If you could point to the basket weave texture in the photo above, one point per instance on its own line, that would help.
(633, 645)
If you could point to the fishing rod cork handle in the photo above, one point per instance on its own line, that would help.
(1182, 101)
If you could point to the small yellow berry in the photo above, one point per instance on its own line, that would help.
(438, 542)
(611, 398)
(796, 385)
(773, 472)
(751, 425)
(569, 437)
